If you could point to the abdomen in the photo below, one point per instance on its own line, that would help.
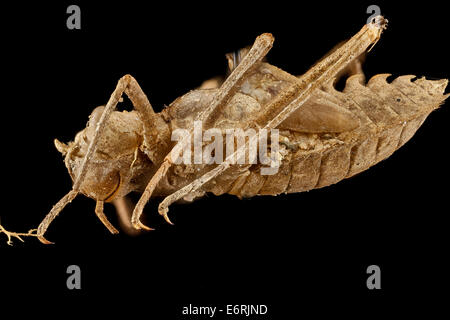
(389, 115)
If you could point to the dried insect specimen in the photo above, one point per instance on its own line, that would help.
(325, 135)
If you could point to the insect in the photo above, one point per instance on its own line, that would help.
(325, 135)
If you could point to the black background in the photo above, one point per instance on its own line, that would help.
(295, 252)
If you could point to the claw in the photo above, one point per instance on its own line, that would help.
(163, 211)
(139, 225)
(166, 217)
(44, 241)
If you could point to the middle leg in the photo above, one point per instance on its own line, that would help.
(101, 215)
(258, 51)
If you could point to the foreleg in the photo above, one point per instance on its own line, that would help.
(130, 86)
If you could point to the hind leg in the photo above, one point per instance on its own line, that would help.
(318, 75)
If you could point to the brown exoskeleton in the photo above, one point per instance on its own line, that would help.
(326, 135)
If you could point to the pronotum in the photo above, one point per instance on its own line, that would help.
(325, 135)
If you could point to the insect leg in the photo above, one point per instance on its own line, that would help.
(101, 215)
(258, 51)
(354, 67)
(122, 85)
(323, 71)
(139, 208)
(156, 131)
(163, 207)
(53, 214)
